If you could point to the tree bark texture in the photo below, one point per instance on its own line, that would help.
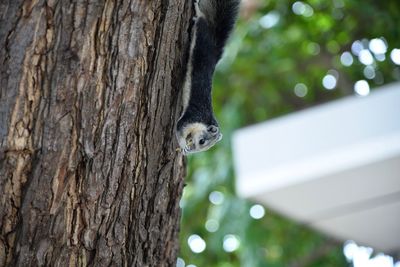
(89, 97)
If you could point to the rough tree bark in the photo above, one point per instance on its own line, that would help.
(89, 173)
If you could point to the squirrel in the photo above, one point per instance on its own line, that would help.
(197, 129)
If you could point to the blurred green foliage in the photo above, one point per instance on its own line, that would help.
(272, 50)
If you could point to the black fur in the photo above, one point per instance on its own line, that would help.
(212, 32)
(203, 61)
(222, 21)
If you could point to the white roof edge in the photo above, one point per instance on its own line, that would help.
(386, 89)
(252, 184)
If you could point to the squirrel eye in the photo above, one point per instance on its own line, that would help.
(202, 141)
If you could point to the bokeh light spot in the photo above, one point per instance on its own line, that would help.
(369, 72)
(180, 262)
(361, 88)
(365, 57)
(349, 250)
(196, 243)
(298, 8)
(216, 197)
(231, 243)
(212, 225)
(377, 46)
(395, 56)
(270, 20)
(300, 90)
(362, 256)
(356, 47)
(329, 81)
(380, 57)
(257, 211)
(346, 59)
(301, 8)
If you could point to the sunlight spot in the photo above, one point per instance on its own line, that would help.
(346, 59)
(301, 8)
(180, 262)
(231, 243)
(300, 90)
(377, 46)
(361, 256)
(257, 211)
(270, 20)
(380, 57)
(196, 244)
(212, 225)
(309, 11)
(365, 57)
(356, 47)
(381, 260)
(361, 88)
(216, 197)
(369, 72)
(349, 250)
(395, 56)
(329, 81)
(298, 8)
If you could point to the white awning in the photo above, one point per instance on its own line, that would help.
(335, 167)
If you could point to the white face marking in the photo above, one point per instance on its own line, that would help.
(197, 9)
(197, 137)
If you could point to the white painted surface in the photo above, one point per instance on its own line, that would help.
(329, 166)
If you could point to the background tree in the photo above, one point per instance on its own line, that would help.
(89, 92)
(275, 64)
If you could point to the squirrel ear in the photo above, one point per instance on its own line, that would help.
(212, 129)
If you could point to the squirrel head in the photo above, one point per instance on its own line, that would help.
(197, 137)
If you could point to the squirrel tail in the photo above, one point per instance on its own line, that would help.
(221, 17)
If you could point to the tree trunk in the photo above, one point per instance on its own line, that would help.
(89, 96)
